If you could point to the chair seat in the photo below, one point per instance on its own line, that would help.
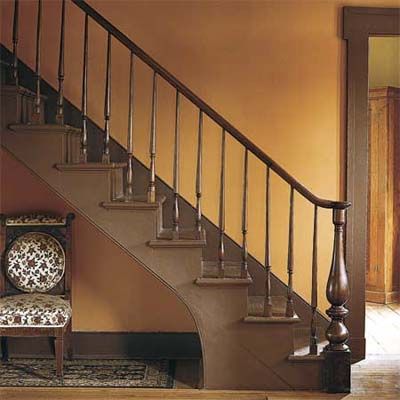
(34, 310)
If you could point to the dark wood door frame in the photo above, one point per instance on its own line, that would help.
(359, 23)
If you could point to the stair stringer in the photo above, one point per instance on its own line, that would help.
(235, 355)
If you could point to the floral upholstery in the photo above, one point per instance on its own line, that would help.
(34, 310)
(35, 262)
(35, 219)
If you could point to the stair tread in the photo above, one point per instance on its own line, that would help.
(271, 320)
(44, 128)
(303, 353)
(215, 281)
(255, 311)
(138, 202)
(90, 166)
(184, 234)
(232, 274)
(187, 238)
(302, 340)
(255, 306)
(20, 90)
(232, 269)
(176, 243)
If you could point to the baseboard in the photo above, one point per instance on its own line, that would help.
(382, 297)
(113, 345)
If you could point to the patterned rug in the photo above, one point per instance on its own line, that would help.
(89, 373)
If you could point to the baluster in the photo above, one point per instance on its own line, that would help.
(151, 191)
(107, 105)
(289, 304)
(175, 209)
(84, 135)
(221, 247)
(268, 298)
(60, 100)
(314, 287)
(15, 42)
(245, 253)
(337, 353)
(36, 110)
(129, 170)
(199, 175)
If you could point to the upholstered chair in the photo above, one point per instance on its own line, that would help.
(35, 280)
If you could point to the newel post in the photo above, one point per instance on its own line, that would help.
(337, 353)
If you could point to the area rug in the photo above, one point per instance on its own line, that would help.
(89, 373)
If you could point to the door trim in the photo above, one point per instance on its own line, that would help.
(358, 24)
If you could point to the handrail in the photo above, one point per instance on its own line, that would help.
(214, 115)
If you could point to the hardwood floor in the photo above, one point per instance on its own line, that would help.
(382, 327)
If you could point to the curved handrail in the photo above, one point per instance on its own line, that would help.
(214, 115)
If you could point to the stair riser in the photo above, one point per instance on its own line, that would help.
(17, 108)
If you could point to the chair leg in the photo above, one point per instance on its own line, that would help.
(4, 348)
(59, 349)
(68, 342)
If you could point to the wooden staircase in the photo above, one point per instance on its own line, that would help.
(247, 340)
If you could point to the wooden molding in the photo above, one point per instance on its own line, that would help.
(358, 24)
(382, 297)
(109, 345)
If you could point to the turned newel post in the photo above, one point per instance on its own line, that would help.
(337, 353)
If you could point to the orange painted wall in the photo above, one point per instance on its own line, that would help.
(110, 292)
(275, 69)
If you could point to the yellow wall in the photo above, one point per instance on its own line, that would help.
(275, 69)
(384, 61)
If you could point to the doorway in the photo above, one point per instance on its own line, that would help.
(383, 266)
(359, 25)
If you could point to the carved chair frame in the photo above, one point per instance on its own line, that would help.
(62, 232)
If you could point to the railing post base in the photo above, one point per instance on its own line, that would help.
(337, 371)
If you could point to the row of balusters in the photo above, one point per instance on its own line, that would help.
(151, 192)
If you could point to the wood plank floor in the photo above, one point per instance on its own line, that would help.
(382, 327)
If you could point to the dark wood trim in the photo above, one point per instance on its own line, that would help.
(358, 24)
(118, 345)
(2, 255)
